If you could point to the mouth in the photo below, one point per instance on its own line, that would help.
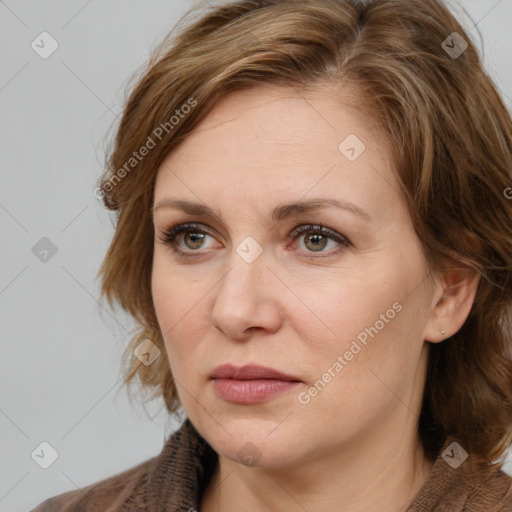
(250, 372)
(250, 384)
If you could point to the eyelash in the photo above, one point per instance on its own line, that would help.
(169, 236)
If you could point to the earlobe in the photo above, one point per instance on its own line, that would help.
(457, 287)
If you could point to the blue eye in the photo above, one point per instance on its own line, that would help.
(316, 239)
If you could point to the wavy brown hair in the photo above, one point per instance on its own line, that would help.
(452, 141)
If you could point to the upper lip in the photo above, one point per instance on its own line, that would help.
(249, 372)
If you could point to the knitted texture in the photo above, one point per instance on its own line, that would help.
(174, 481)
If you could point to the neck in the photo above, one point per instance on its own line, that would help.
(381, 475)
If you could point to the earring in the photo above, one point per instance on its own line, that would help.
(442, 332)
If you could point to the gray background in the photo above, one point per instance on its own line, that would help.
(59, 364)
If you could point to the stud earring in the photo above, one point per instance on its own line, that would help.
(442, 332)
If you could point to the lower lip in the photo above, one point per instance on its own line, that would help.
(251, 391)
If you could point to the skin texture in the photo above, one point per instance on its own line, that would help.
(355, 441)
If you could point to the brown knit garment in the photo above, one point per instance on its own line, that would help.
(174, 480)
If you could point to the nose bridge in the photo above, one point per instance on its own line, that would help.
(246, 275)
(244, 298)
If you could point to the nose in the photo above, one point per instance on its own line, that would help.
(248, 299)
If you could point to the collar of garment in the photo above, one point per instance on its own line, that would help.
(184, 467)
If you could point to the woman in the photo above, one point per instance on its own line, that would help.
(315, 237)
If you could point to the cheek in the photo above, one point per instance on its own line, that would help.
(179, 307)
(174, 296)
(380, 360)
(369, 319)
(340, 309)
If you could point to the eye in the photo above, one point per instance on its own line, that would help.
(315, 239)
(191, 234)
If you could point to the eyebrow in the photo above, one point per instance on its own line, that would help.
(279, 213)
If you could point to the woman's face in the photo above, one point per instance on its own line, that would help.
(341, 312)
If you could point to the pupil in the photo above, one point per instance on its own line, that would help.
(318, 241)
(195, 238)
(316, 238)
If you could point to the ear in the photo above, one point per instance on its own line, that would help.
(454, 294)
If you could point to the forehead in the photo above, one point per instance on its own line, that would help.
(268, 142)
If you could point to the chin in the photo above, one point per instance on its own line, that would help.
(255, 442)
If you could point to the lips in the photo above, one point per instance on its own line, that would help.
(250, 372)
(250, 384)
